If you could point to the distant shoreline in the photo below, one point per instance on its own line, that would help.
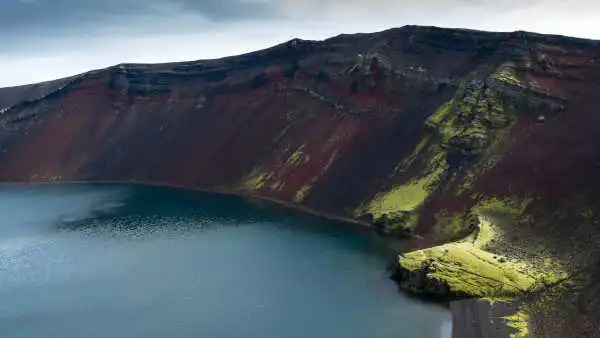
(285, 204)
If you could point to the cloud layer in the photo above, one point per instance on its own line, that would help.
(46, 39)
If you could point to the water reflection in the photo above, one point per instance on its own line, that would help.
(125, 261)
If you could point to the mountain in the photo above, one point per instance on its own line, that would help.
(484, 147)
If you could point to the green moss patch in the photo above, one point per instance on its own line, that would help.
(512, 207)
(255, 180)
(508, 206)
(297, 157)
(410, 196)
(506, 74)
(518, 321)
(468, 269)
(440, 114)
(398, 208)
(302, 193)
(470, 119)
(449, 228)
(407, 162)
(404, 221)
(403, 198)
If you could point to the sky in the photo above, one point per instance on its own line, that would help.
(47, 39)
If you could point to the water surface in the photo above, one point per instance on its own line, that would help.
(131, 261)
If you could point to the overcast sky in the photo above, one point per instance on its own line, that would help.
(47, 39)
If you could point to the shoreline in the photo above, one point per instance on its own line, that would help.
(223, 192)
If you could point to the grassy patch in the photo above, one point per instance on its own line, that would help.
(255, 180)
(467, 268)
(280, 136)
(448, 129)
(506, 74)
(408, 197)
(518, 321)
(297, 157)
(397, 209)
(421, 145)
(440, 114)
(302, 193)
(406, 163)
(469, 119)
(509, 206)
(403, 198)
(405, 223)
(449, 228)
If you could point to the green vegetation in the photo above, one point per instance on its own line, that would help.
(440, 114)
(302, 193)
(406, 163)
(280, 136)
(436, 167)
(403, 198)
(462, 124)
(256, 180)
(297, 157)
(513, 207)
(466, 126)
(403, 221)
(518, 321)
(500, 129)
(468, 120)
(410, 196)
(468, 269)
(480, 257)
(587, 213)
(421, 145)
(506, 73)
(449, 130)
(508, 205)
(449, 228)
(397, 208)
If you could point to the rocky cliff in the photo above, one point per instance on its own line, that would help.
(486, 144)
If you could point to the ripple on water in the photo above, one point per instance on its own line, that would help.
(122, 261)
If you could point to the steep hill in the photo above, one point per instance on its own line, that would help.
(487, 144)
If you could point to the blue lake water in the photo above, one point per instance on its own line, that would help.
(130, 261)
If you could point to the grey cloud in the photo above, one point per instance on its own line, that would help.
(46, 16)
(40, 17)
(230, 9)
